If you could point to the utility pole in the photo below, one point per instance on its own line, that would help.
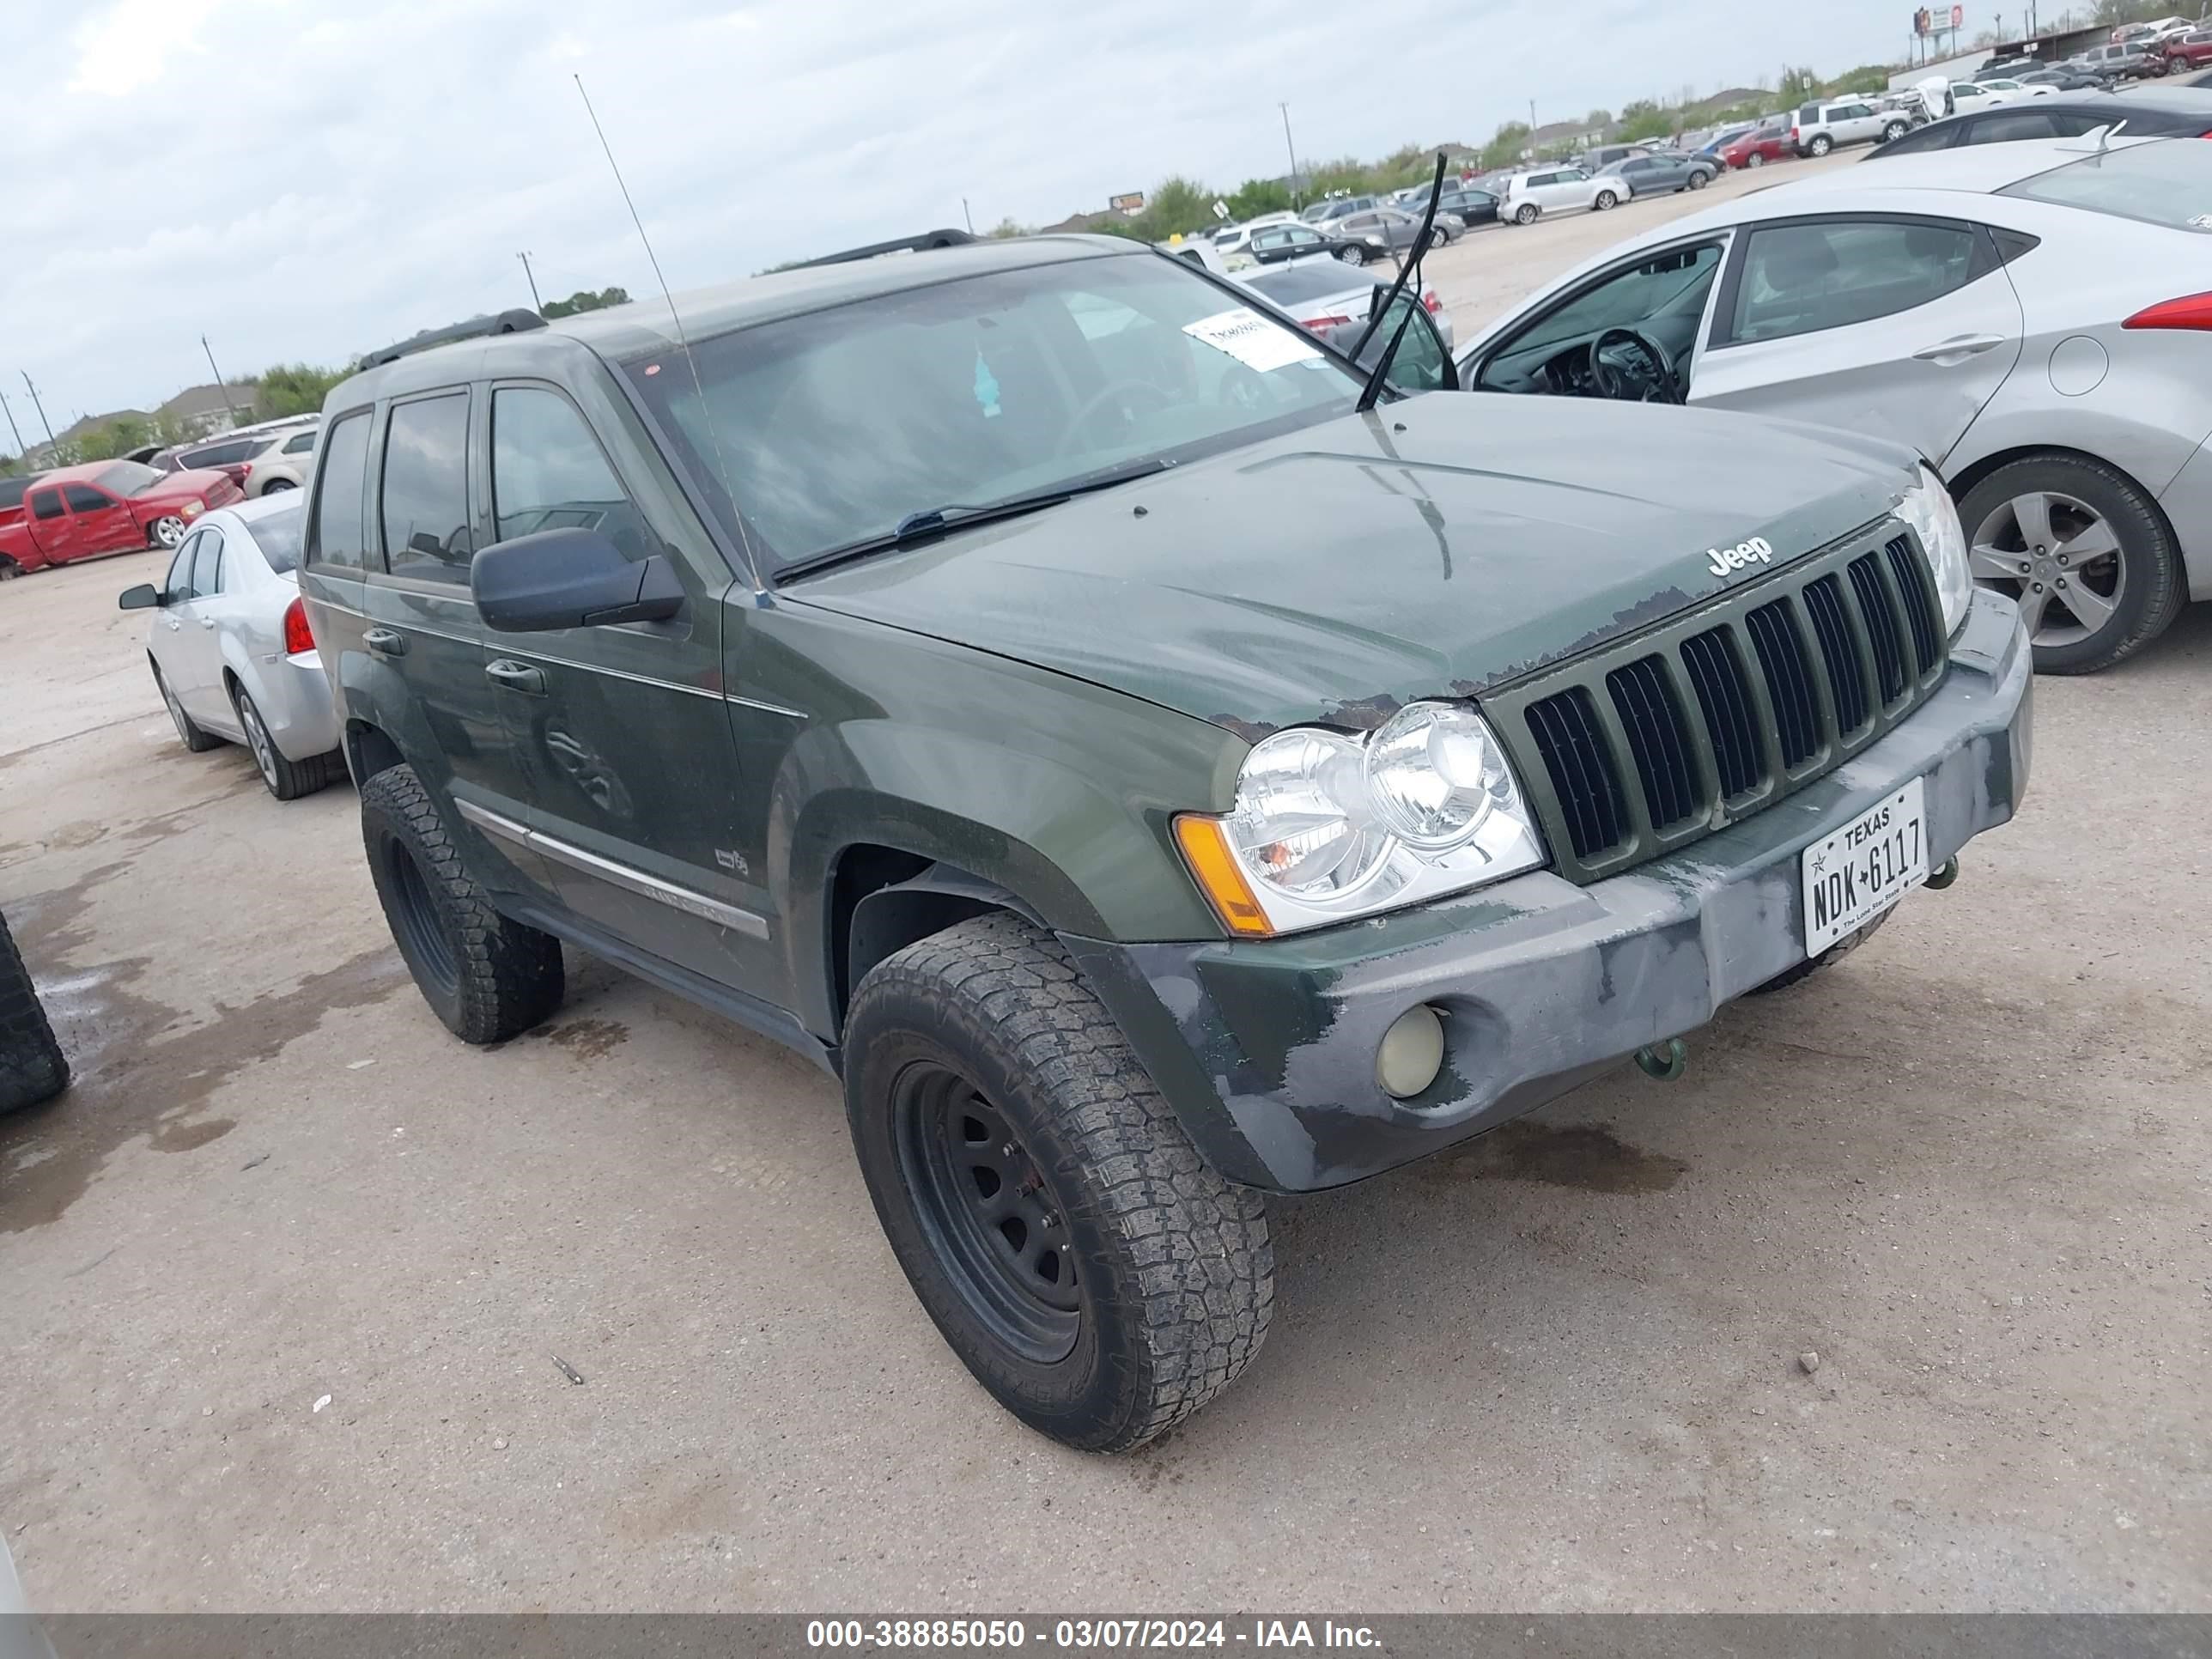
(967, 216)
(229, 408)
(12, 426)
(1294, 149)
(41, 407)
(536, 304)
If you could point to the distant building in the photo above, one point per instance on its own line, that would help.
(208, 410)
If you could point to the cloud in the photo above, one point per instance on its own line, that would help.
(309, 180)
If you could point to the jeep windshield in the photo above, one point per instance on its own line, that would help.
(834, 429)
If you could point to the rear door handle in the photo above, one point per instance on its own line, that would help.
(517, 677)
(207, 622)
(383, 642)
(1959, 347)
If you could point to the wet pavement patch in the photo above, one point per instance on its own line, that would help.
(1588, 1155)
(586, 1039)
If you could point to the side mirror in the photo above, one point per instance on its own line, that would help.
(144, 597)
(569, 578)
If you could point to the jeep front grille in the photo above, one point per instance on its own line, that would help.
(1646, 744)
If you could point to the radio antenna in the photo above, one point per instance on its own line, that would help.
(698, 386)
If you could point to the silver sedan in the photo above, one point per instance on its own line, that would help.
(2036, 317)
(231, 651)
(1320, 295)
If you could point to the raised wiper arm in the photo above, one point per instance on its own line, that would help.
(1373, 389)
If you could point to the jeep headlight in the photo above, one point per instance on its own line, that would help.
(1928, 507)
(1328, 826)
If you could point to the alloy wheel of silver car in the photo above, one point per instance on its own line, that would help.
(256, 739)
(2059, 558)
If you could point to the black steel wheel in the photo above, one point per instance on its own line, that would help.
(987, 1212)
(1051, 1212)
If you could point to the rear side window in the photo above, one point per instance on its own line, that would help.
(302, 445)
(83, 498)
(1800, 278)
(45, 503)
(548, 473)
(425, 492)
(338, 537)
(219, 454)
(1811, 112)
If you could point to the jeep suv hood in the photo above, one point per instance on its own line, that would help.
(1435, 547)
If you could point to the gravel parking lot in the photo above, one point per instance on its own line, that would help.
(286, 1272)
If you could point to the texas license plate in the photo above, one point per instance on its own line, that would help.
(1853, 875)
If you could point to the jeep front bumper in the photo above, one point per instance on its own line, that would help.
(1267, 1049)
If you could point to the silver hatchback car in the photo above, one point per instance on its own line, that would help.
(2035, 317)
(232, 654)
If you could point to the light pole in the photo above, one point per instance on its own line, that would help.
(12, 426)
(228, 408)
(967, 216)
(536, 304)
(41, 407)
(1294, 149)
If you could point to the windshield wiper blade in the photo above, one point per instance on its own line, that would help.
(921, 526)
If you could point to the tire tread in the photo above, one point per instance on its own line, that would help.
(32, 1064)
(1205, 1264)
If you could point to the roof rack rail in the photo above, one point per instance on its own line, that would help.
(922, 244)
(506, 322)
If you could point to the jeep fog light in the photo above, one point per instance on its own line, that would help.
(1412, 1053)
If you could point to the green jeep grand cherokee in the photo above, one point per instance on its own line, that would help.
(1021, 676)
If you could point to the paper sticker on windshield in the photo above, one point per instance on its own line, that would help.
(1251, 339)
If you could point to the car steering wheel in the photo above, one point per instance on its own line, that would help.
(1650, 380)
(1097, 405)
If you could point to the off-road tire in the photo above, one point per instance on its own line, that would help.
(1172, 1265)
(2153, 591)
(1827, 958)
(33, 1066)
(288, 780)
(188, 730)
(487, 977)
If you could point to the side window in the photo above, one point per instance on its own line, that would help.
(304, 444)
(548, 473)
(1663, 295)
(45, 503)
(179, 582)
(84, 498)
(2007, 125)
(207, 566)
(425, 509)
(1799, 278)
(1808, 116)
(337, 537)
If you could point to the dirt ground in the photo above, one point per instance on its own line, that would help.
(286, 1273)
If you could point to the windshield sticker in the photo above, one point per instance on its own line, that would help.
(1251, 339)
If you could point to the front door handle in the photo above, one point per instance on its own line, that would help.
(1958, 348)
(207, 622)
(383, 642)
(517, 677)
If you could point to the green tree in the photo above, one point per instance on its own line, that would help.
(1868, 77)
(1598, 120)
(1257, 195)
(1004, 230)
(1505, 145)
(1644, 119)
(1796, 85)
(584, 300)
(293, 388)
(114, 438)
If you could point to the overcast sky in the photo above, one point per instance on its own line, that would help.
(307, 181)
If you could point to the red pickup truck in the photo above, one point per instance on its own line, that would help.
(107, 506)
